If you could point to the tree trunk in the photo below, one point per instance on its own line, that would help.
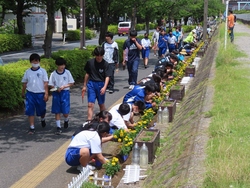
(2, 14)
(103, 30)
(133, 19)
(19, 17)
(64, 21)
(50, 28)
(147, 23)
(102, 7)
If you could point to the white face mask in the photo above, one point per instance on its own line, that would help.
(35, 65)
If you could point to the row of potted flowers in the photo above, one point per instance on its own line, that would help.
(126, 138)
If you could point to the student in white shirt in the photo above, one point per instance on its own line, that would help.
(118, 111)
(146, 44)
(86, 146)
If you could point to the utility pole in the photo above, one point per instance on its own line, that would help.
(82, 24)
(205, 20)
(226, 25)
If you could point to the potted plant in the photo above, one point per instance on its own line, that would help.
(112, 166)
(171, 105)
(152, 140)
(190, 70)
(177, 92)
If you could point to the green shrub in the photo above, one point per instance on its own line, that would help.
(113, 29)
(73, 35)
(188, 28)
(140, 27)
(76, 60)
(14, 42)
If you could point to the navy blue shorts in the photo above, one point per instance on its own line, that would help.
(34, 103)
(94, 92)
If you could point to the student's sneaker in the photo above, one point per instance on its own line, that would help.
(91, 167)
(107, 90)
(43, 123)
(80, 168)
(131, 87)
(111, 91)
(31, 131)
(58, 131)
(66, 124)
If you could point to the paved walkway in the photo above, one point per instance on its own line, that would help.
(38, 160)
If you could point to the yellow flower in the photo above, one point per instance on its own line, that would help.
(119, 140)
(115, 136)
(113, 164)
(125, 139)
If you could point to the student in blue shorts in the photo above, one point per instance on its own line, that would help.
(35, 91)
(96, 81)
(61, 80)
(87, 145)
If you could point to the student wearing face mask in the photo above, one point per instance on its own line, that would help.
(35, 91)
(146, 44)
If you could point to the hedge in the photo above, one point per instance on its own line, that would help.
(11, 75)
(14, 42)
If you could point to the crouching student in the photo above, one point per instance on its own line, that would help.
(103, 116)
(135, 109)
(86, 146)
(117, 122)
(140, 94)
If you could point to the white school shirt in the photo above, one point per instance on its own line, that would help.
(35, 80)
(109, 51)
(87, 139)
(145, 42)
(117, 119)
(61, 79)
(172, 40)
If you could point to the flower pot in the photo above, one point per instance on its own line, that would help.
(171, 105)
(201, 52)
(177, 92)
(124, 157)
(152, 144)
(190, 71)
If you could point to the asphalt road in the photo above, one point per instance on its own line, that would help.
(20, 154)
(57, 44)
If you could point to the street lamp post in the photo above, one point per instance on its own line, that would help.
(82, 24)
